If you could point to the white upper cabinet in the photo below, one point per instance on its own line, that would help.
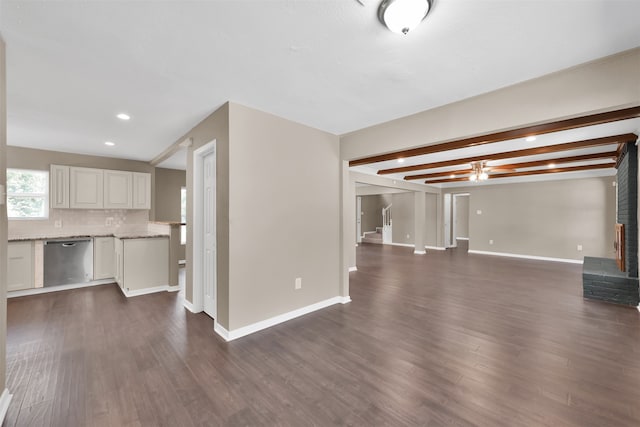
(141, 190)
(118, 189)
(89, 188)
(86, 188)
(59, 187)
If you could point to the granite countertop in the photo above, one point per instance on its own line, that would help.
(169, 222)
(139, 235)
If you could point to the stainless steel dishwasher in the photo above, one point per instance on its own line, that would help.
(68, 261)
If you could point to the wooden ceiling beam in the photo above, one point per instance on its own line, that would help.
(627, 137)
(539, 129)
(534, 172)
(597, 156)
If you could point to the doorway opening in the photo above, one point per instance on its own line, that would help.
(460, 219)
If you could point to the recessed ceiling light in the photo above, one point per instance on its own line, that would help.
(452, 176)
(400, 160)
(123, 116)
(551, 165)
(109, 143)
(530, 138)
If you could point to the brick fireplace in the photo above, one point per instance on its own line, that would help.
(601, 277)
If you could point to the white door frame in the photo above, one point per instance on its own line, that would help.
(358, 219)
(454, 217)
(198, 228)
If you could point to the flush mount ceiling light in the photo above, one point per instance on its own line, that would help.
(530, 138)
(109, 143)
(123, 116)
(402, 16)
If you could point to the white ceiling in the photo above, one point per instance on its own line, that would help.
(71, 66)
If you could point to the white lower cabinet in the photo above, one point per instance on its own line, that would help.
(103, 258)
(142, 263)
(20, 266)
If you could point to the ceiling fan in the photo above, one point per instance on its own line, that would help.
(480, 170)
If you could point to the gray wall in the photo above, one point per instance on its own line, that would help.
(215, 126)
(264, 213)
(461, 219)
(3, 220)
(431, 220)
(372, 211)
(403, 216)
(546, 219)
(272, 206)
(169, 182)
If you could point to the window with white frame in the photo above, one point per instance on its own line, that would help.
(27, 194)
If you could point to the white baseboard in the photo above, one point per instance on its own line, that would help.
(368, 232)
(539, 258)
(189, 306)
(264, 324)
(5, 400)
(354, 268)
(417, 252)
(46, 290)
(462, 238)
(347, 300)
(406, 245)
(146, 291)
(220, 330)
(436, 248)
(636, 307)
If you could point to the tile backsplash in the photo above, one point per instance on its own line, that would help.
(81, 222)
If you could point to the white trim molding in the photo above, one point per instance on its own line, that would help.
(146, 291)
(417, 252)
(267, 323)
(5, 400)
(189, 306)
(436, 248)
(406, 245)
(462, 238)
(46, 290)
(354, 268)
(538, 258)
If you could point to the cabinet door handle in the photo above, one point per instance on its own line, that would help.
(68, 245)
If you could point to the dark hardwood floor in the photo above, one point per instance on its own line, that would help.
(436, 340)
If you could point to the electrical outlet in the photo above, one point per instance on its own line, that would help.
(408, 236)
(298, 283)
(579, 247)
(491, 242)
(57, 223)
(108, 222)
(478, 212)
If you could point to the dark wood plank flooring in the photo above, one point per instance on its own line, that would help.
(436, 340)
